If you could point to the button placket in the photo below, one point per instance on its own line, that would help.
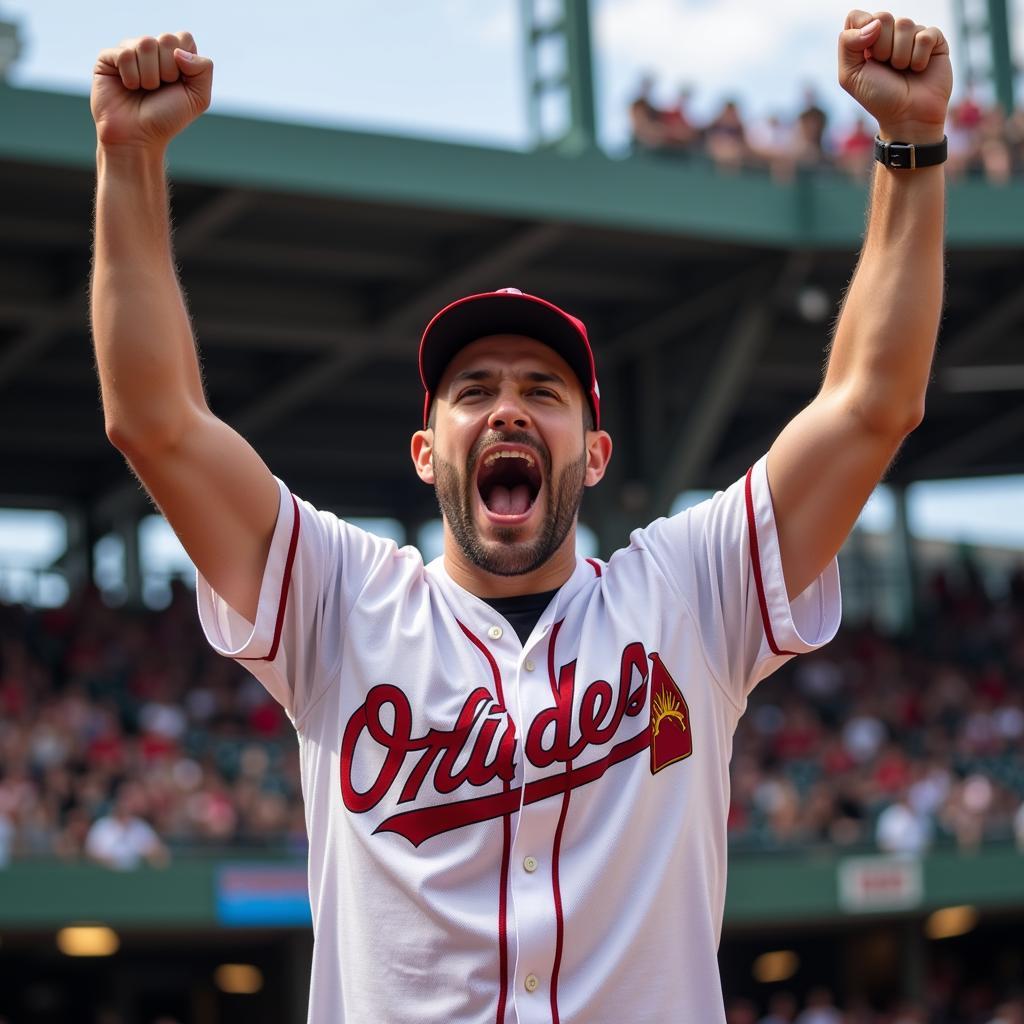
(536, 924)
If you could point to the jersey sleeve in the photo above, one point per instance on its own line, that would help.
(315, 570)
(723, 556)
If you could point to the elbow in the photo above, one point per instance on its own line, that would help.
(128, 440)
(118, 435)
(135, 439)
(889, 415)
(899, 422)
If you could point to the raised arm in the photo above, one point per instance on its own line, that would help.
(215, 491)
(828, 459)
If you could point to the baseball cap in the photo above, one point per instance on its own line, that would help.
(506, 311)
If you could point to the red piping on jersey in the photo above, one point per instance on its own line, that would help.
(506, 849)
(595, 565)
(282, 601)
(755, 557)
(557, 845)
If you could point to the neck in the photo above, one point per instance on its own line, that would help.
(549, 576)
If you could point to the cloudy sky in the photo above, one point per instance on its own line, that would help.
(453, 68)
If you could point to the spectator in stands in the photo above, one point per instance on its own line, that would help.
(123, 840)
(645, 119)
(782, 1009)
(963, 814)
(993, 146)
(900, 829)
(820, 1008)
(725, 138)
(1010, 1012)
(863, 732)
(680, 133)
(809, 137)
(770, 141)
(1015, 140)
(909, 1014)
(962, 133)
(856, 150)
(740, 1011)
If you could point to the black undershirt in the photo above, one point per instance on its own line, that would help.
(522, 611)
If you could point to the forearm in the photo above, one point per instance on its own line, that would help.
(885, 340)
(145, 352)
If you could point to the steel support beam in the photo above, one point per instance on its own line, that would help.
(698, 436)
(582, 121)
(993, 325)
(45, 330)
(967, 448)
(973, 379)
(569, 27)
(223, 208)
(1003, 71)
(674, 322)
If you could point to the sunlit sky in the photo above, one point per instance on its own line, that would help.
(454, 69)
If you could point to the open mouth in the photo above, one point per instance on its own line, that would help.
(509, 480)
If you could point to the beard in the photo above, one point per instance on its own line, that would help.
(508, 556)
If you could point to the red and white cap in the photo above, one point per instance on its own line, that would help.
(506, 311)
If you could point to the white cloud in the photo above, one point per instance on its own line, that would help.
(492, 24)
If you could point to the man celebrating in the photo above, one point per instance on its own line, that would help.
(515, 761)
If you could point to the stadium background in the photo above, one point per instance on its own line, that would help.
(312, 257)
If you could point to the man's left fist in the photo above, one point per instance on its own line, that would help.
(899, 72)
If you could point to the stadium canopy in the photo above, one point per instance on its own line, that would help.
(312, 258)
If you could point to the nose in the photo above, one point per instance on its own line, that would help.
(509, 412)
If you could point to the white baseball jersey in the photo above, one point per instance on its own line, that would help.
(528, 833)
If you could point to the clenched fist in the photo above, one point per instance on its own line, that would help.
(146, 90)
(899, 72)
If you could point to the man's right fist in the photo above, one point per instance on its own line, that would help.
(145, 91)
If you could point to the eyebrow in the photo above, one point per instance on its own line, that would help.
(536, 376)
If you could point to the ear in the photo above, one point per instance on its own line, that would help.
(423, 454)
(599, 453)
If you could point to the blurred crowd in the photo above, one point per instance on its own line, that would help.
(124, 737)
(901, 744)
(820, 1008)
(984, 142)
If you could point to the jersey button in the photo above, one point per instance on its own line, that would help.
(530, 864)
(529, 665)
(494, 632)
(530, 982)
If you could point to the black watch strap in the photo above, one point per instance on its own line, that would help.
(907, 156)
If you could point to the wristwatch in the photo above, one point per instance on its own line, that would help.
(908, 156)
